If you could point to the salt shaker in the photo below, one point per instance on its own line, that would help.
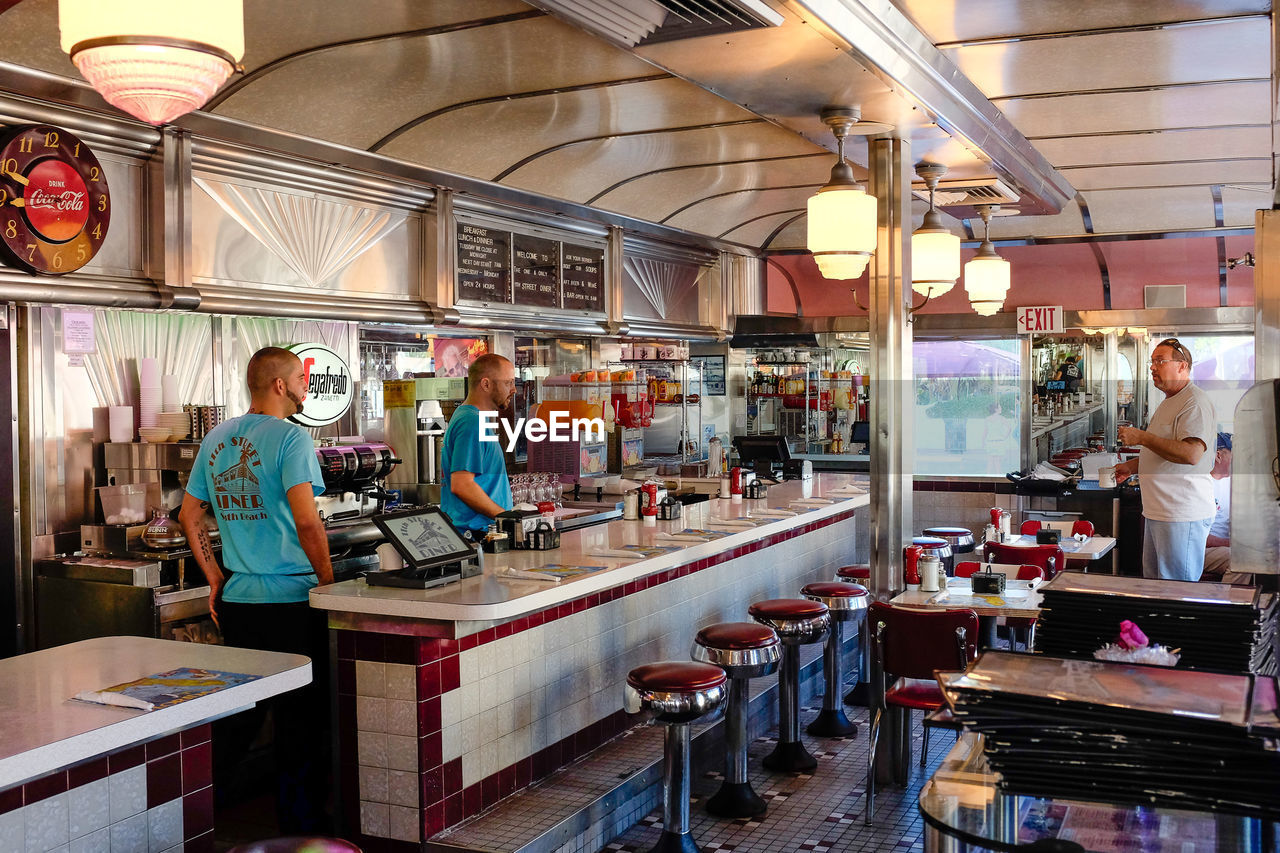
(929, 570)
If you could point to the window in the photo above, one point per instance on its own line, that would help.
(968, 411)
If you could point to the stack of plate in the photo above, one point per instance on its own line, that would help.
(1123, 733)
(1217, 627)
(177, 423)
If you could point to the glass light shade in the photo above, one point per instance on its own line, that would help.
(986, 307)
(935, 261)
(842, 231)
(154, 59)
(986, 279)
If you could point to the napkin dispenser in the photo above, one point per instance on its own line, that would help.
(1048, 536)
(669, 509)
(797, 469)
(519, 525)
(988, 582)
(755, 490)
(543, 538)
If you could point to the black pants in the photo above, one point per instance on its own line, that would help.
(302, 733)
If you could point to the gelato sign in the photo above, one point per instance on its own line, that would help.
(329, 385)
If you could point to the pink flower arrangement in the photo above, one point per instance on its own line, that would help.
(1131, 636)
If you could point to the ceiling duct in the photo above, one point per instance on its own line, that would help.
(757, 331)
(965, 192)
(632, 22)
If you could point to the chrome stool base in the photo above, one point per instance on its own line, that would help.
(736, 800)
(675, 842)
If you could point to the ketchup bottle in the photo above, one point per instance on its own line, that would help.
(911, 564)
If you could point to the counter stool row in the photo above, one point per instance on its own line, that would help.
(726, 656)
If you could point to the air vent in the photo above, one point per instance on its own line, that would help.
(1164, 296)
(632, 22)
(965, 192)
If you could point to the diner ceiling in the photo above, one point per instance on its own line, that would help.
(1108, 118)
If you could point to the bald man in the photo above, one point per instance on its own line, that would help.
(474, 483)
(259, 474)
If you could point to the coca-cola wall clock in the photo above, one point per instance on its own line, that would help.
(54, 203)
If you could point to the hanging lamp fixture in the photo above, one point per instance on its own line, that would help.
(842, 216)
(154, 59)
(986, 276)
(935, 251)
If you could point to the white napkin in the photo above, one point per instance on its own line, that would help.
(107, 697)
(616, 554)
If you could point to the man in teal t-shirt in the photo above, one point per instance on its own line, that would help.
(474, 485)
(259, 475)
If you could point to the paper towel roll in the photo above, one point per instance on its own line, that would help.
(120, 423)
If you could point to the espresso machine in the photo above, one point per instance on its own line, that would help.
(355, 478)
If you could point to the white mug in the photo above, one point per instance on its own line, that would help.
(1107, 477)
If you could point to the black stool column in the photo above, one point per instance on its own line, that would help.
(846, 602)
(797, 621)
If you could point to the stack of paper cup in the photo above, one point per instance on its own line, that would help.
(120, 424)
(149, 393)
(169, 395)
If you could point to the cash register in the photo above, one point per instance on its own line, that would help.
(434, 552)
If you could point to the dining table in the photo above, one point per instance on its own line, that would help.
(1075, 550)
(1021, 599)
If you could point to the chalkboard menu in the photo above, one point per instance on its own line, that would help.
(582, 277)
(484, 264)
(535, 267)
(520, 269)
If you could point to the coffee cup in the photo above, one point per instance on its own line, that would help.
(1107, 477)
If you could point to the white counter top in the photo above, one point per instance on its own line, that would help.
(42, 728)
(490, 597)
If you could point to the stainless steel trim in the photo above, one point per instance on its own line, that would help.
(1111, 237)
(1221, 242)
(12, 479)
(1178, 162)
(650, 132)
(1095, 31)
(791, 281)
(773, 235)
(249, 77)
(1127, 90)
(762, 216)
(798, 631)
(674, 707)
(707, 198)
(714, 165)
(1266, 299)
(112, 133)
(841, 606)
(176, 215)
(887, 44)
(514, 96)
(220, 299)
(1026, 389)
(740, 663)
(1146, 131)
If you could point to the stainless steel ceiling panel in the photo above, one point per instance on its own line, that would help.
(29, 36)
(1239, 204)
(276, 28)
(1222, 50)
(1169, 175)
(587, 170)
(498, 135)
(1214, 104)
(1163, 209)
(756, 232)
(720, 214)
(1168, 146)
(792, 236)
(319, 95)
(957, 20)
(658, 196)
(1069, 221)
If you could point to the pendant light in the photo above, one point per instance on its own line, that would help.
(935, 251)
(986, 276)
(154, 59)
(842, 217)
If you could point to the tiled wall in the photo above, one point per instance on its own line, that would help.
(955, 503)
(508, 704)
(151, 798)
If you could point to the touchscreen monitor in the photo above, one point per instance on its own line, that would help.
(424, 536)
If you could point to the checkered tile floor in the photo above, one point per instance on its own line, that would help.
(810, 813)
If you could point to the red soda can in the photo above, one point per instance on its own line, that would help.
(911, 563)
(995, 516)
(649, 499)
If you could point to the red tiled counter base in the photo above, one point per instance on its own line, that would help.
(157, 795)
(409, 707)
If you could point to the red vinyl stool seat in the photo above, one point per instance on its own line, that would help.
(798, 621)
(746, 650)
(677, 693)
(299, 844)
(854, 573)
(846, 602)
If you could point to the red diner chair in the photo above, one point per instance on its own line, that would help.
(1029, 528)
(1048, 557)
(1082, 526)
(911, 645)
(967, 568)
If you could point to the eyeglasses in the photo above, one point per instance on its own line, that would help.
(1156, 362)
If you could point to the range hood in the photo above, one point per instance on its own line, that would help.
(756, 331)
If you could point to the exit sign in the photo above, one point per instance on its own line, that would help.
(1040, 320)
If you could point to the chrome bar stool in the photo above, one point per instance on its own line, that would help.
(676, 693)
(797, 621)
(846, 602)
(858, 694)
(744, 650)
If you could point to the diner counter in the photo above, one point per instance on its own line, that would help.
(1062, 420)
(492, 597)
(45, 729)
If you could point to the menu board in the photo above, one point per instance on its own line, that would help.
(519, 269)
(582, 277)
(484, 264)
(535, 267)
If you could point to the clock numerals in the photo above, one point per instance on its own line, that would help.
(24, 146)
(95, 174)
(11, 229)
(97, 231)
(31, 254)
(51, 139)
(102, 202)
